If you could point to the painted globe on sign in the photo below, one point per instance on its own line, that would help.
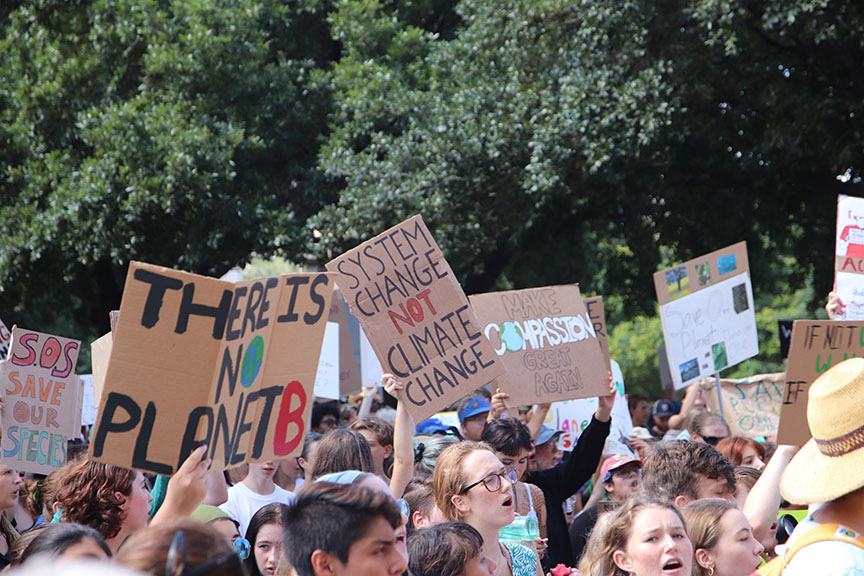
(252, 360)
(511, 336)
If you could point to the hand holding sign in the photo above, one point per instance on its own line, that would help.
(187, 488)
(605, 403)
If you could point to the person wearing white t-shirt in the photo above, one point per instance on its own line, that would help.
(254, 492)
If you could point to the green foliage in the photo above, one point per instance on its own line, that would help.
(181, 133)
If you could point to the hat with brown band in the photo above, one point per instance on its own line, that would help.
(830, 464)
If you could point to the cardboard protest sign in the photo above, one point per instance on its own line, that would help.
(597, 313)
(706, 307)
(547, 343)
(42, 396)
(327, 377)
(573, 416)
(197, 360)
(849, 258)
(100, 353)
(751, 406)
(817, 345)
(416, 317)
(5, 340)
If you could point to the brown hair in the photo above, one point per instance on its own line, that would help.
(85, 492)
(704, 419)
(449, 478)
(733, 448)
(617, 532)
(703, 525)
(747, 477)
(420, 498)
(147, 549)
(674, 469)
(342, 450)
(443, 549)
(382, 429)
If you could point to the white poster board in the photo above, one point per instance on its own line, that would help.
(573, 416)
(327, 376)
(849, 258)
(370, 367)
(708, 316)
(5, 340)
(88, 403)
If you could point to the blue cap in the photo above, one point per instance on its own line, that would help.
(432, 426)
(476, 406)
(547, 434)
(663, 408)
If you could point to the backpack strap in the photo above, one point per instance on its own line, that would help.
(822, 533)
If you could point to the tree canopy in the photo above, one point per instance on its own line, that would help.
(543, 141)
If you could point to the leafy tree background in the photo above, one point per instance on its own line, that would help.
(543, 141)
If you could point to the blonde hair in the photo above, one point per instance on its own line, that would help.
(591, 562)
(617, 532)
(703, 525)
(449, 478)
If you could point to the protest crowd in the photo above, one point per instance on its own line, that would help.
(438, 466)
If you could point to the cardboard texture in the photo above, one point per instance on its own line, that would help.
(573, 416)
(708, 316)
(416, 317)
(5, 340)
(751, 406)
(597, 313)
(849, 258)
(42, 397)
(100, 353)
(327, 377)
(197, 360)
(817, 345)
(547, 342)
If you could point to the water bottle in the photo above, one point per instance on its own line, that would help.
(523, 528)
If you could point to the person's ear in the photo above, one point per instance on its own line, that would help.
(680, 500)
(704, 559)
(419, 520)
(608, 486)
(323, 563)
(622, 560)
(460, 503)
(121, 498)
(388, 450)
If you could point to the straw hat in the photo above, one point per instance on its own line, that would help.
(830, 464)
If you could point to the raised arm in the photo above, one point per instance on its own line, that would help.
(537, 418)
(403, 438)
(763, 502)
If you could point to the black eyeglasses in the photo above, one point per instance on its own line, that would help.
(712, 440)
(175, 564)
(492, 483)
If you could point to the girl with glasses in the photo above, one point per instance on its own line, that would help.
(472, 485)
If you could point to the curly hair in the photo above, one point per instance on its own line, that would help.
(676, 468)
(87, 491)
